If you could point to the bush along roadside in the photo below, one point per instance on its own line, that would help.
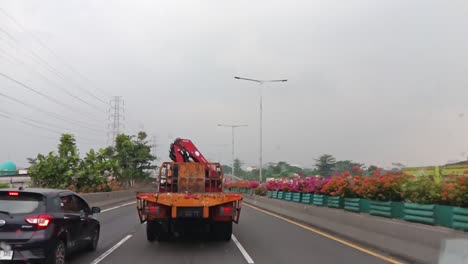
(244, 186)
(392, 195)
(110, 169)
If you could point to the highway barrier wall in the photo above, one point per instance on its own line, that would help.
(414, 242)
(115, 197)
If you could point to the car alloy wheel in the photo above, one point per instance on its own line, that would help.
(60, 253)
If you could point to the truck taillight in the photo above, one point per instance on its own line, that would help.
(42, 221)
(226, 211)
(153, 211)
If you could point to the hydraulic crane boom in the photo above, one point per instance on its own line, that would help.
(183, 150)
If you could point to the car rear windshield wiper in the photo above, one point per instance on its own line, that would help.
(5, 212)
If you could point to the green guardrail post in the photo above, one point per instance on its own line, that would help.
(397, 210)
(280, 195)
(460, 218)
(420, 213)
(296, 197)
(274, 194)
(443, 215)
(307, 198)
(364, 205)
(352, 204)
(320, 200)
(335, 201)
(380, 208)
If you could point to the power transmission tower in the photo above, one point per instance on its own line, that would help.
(116, 118)
(153, 145)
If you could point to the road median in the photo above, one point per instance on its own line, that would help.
(413, 242)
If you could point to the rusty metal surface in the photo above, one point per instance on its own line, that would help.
(191, 178)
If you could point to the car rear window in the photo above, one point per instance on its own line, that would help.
(21, 202)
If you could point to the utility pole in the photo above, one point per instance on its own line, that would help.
(116, 118)
(232, 127)
(153, 145)
(261, 82)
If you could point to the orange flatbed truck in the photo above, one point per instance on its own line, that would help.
(189, 198)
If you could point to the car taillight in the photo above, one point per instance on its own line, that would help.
(13, 193)
(42, 221)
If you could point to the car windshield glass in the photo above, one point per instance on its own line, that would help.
(21, 203)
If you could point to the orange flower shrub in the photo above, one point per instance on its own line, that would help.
(344, 185)
(455, 190)
(388, 187)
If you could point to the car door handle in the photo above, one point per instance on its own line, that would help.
(66, 217)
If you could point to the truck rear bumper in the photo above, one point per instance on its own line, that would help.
(190, 206)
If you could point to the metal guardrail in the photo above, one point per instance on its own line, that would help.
(232, 177)
(14, 175)
(15, 180)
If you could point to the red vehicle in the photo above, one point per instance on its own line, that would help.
(189, 197)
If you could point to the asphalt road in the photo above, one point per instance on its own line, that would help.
(259, 238)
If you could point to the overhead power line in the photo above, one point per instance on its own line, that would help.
(54, 115)
(44, 95)
(46, 79)
(33, 56)
(38, 40)
(40, 122)
(31, 134)
(49, 81)
(41, 127)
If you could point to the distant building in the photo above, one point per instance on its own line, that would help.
(250, 169)
(8, 168)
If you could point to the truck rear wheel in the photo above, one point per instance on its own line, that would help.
(222, 230)
(156, 232)
(162, 235)
(151, 230)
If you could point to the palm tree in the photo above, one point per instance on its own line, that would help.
(325, 164)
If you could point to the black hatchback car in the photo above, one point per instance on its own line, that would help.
(44, 225)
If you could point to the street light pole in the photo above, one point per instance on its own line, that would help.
(261, 133)
(232, 148)
(261, 82)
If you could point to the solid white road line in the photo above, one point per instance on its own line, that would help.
(110, 250)
(116, 207)
(242, 250)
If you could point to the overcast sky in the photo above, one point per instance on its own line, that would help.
(372, 81)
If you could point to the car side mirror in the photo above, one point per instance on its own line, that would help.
(95, 210)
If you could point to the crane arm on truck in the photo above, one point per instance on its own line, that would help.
(183, 150)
